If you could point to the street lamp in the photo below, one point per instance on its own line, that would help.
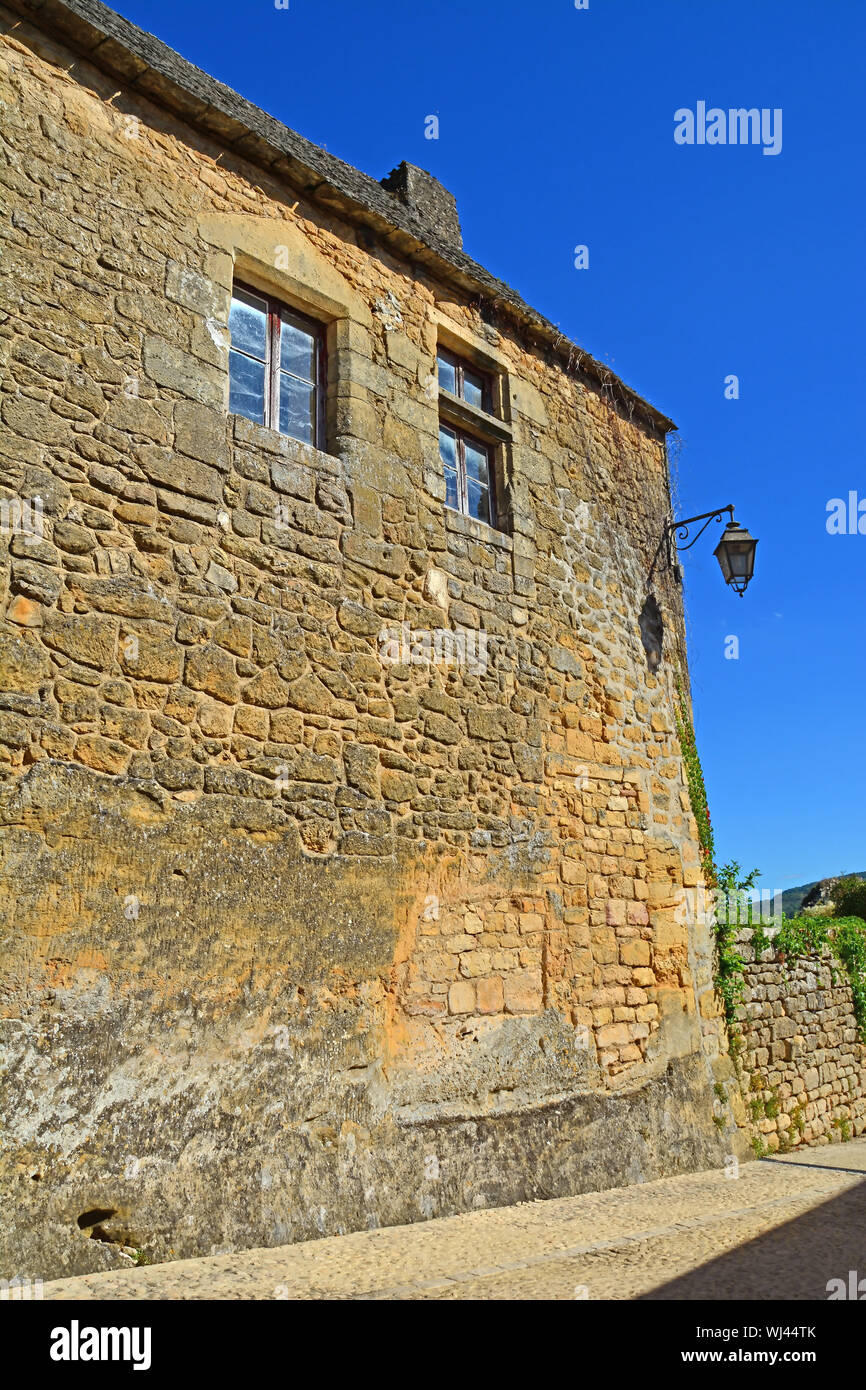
(735, 552)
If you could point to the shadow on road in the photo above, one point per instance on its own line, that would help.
(796, 1260)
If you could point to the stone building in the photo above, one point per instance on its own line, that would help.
(345, 827)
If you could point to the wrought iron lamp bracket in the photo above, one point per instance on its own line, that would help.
(681, 529)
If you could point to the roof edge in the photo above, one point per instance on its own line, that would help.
(151, 68)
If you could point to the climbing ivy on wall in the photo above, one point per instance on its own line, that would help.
(697, 788)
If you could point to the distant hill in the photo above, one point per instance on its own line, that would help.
(794, 898)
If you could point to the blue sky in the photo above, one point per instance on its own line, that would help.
(556, 129)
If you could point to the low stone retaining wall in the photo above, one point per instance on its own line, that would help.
(803, 1065)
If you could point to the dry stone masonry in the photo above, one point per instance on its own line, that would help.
(309, 927)
(802, 1058)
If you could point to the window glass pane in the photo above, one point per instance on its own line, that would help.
(448, 454)
(246, 387)
(248, 324)
(297, 408)
(447, 375)
(479, 500)
(297, 348)
(473, 388)
(476, 463)
(452, 497)
(448, 448)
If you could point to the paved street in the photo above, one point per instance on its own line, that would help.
(782, 1229)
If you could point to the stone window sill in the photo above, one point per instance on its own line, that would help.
(255, 436)
(478, 530)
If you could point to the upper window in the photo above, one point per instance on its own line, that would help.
(462, 380)
(276, 366)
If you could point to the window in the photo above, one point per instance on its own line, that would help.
(276, 366)
(467, 460)
(462, 380)
(466, 463)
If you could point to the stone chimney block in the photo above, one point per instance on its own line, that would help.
(432, 204)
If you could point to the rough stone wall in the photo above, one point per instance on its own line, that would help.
(297, 938)
(803, 1062)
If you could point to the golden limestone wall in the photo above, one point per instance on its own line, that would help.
(305, 928)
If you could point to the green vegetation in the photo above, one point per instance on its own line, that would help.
(846, 939)
(760, 940)
(849, 897)
(760, 1108)
(844, 934)
(697, 788)
(733, 883)
(793, 898)
(849, 944)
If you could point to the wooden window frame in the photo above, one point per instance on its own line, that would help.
(475, 425)
(461, 438)
(460, 365)
(275, 309)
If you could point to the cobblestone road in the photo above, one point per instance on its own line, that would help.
(782, 1229)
